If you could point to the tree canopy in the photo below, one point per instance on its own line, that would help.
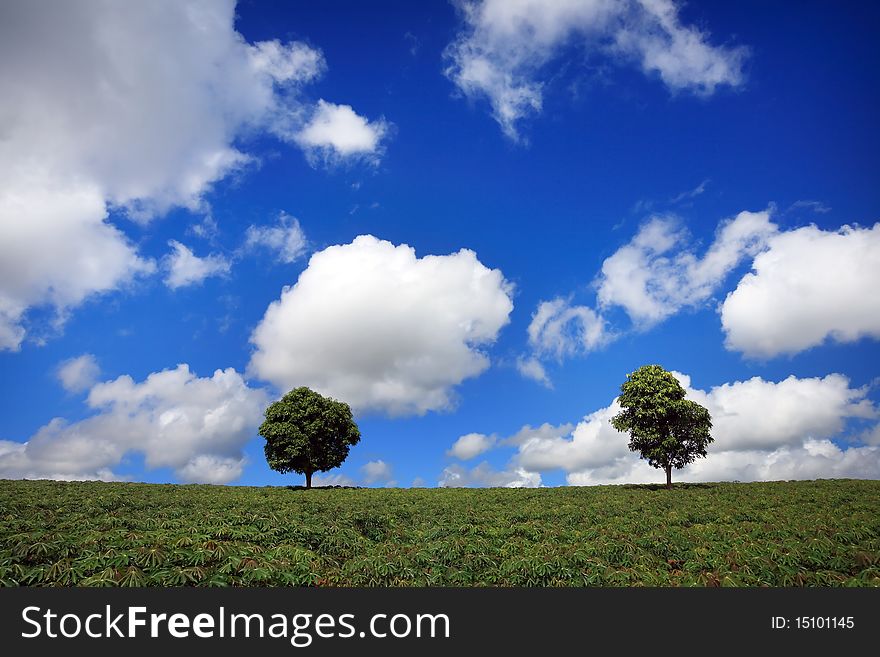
(667, 430)
(306, 432)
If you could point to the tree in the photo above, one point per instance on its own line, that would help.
(306, 432)
(668, 430)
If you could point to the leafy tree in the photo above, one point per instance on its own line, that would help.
(306, 432)
(668, 430)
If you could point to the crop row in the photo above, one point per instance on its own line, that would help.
(824, 533)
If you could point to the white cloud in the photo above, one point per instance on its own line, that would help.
(206, 229)
(471, 445)
(376, 471)
(691, 193)
(680, 55)
(810, 285)
(56, 249)
(514, 475)
(373, 325)
(532, 368)
(812, 459)
(483, 475)
(79, 374)
(545, 431)
(337, 132)
(758, 414)
(293, 62)
(871, 436)
(807, 286)
(121, 106)
(334, 479)
(655, 275)
(185, 268)
(16, 463)
(504, 49)
(592, 443)
(812, 206)
(559, 329)
(195, 426)
(763, 430)
(210, 469)
(140, 102)
(286, 238)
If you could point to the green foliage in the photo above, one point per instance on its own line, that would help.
(306, 432)
(812, 533)
(668, 430)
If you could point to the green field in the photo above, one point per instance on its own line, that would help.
(819, 533)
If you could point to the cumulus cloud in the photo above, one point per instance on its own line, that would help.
(809, 286)
(337, 132)
(514, 475)
(471, 445)
(293, 62)
(17, 463)
(559, 329)
(133, 107)
(504, 49)
(764, 414)
(184, 268)
(484, 475)
(195, 426)
(56, 249)
(871, 436)
(813, 459)
(763, 430)
(532, 368)
(78, 374)
(377, 471)
(379, 328)
(543, 431)
(285, 239)
(592, 443)
(332, 479)
(656, 274)
(210, 469)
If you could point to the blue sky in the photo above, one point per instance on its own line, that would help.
(692, 185)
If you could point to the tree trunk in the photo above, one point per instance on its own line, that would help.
(669, 477)
(308, 479)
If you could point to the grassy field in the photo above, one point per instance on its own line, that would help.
(820, 533)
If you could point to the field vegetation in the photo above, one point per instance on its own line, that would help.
(819, 533)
